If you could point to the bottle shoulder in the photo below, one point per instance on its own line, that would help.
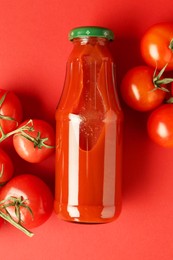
(89, 85)
(91, 51)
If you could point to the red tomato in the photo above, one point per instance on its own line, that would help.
(139, 91)
(30, 199)
(157, 46)
(6, 167)
(160, 125)
(10, 111)
(36, 145)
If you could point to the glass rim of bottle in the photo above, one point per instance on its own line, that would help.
(91, 31)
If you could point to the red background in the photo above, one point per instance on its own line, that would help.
(33, 53)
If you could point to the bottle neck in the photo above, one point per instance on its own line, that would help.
(91, 40)
(95, 47)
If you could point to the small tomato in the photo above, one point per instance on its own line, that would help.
(142, 89)
(35, 140)
(160, 125)
(157, 46)
(27, 200)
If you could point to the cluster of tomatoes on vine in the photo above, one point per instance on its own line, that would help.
(26, 201)
(146, 88)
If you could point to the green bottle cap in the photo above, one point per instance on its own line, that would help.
(91, 31)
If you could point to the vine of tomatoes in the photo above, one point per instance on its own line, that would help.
(25, 200)
(147, 89)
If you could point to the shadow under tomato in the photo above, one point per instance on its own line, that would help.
(45, 169)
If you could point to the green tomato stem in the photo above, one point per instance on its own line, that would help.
(15, 224)
(18, 130)
(171, 45)
(38, 141)
(170, 100)
(157, 81)
(3, 116)
(2, 99)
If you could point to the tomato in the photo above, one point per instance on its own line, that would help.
(11, 111)
(160, 125)
(27, 199)
(37, 144)
(157, 45)
(6, 167)
(141, 89)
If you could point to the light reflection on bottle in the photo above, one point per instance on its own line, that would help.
(73, 158)
(109, 166)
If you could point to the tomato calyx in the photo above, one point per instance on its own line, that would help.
(17, 203)
(158, 81)
(5, 117)
(171, 45)
(37, 141)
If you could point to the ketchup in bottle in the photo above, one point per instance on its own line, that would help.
(89, 132)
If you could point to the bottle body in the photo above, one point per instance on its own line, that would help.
(88, 137)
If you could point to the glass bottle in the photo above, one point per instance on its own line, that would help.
(89, 132)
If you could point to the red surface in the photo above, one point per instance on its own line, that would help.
(33, 53)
